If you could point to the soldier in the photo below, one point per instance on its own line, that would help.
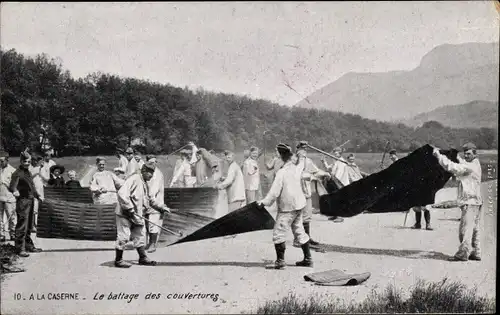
(251, 175)
(132, 165)
(37, 163)
(468, 173)
(156, 186)
(23, 188)
(104, 184)
(45, 170)
(183, 172)
(287, 191)
(133, 201)
(310, 170)
(7, 199)
(393, 156)
(233, 184)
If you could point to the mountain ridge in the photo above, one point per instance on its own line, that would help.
(448, 74)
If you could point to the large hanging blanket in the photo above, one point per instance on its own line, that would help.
(70, 214)
(410, 181)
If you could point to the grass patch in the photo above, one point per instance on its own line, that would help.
(425, 297)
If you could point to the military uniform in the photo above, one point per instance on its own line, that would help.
(287, 191)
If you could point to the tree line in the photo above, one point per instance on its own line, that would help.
(40, 101)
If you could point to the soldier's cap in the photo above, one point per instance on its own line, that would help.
(392, 151)
(148, 167)
(302, 145)
(469, 146)
(337, 149)
(283, 148)
(129, 150)
(4, 154)
(99, 159)
(253, 149)
(185, 152)
(149, 157)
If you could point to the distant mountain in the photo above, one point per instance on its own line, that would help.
(474, 114)
(448, 74)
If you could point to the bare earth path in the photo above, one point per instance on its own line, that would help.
(234, 268)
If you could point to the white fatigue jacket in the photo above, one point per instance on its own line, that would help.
(123, 162)
(5, 178)
(45, 171)
(133, 195)
(183, 175)
(340, 172)
(353, 172)
(469, 176)
(310, 172)
(287, 189)
(234, 184)
(132, 168)
(110, 182)
(156, 192)
(38, 179)
(251, 174)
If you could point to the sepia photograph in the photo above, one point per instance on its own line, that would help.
(260, 157)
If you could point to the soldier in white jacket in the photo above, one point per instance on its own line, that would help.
(132, 165)
(37, 163)
(7, 199)
(468, 173)
(133, 202)
(156, 194)
(233, 184)
(287, 191)
(310, 172)
(104, 184)
(251, 175)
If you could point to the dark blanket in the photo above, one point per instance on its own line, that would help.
(410, 181)
(247, 219)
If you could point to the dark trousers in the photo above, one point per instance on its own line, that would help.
(24, 211)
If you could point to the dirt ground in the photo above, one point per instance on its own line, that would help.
(233, 268)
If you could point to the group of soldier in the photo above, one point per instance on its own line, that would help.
(137, 188)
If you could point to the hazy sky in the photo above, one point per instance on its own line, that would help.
(242, 47)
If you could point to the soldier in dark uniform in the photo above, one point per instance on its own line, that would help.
(23, 188)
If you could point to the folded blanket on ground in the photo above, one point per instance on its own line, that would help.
(409, 182)
(337, 277)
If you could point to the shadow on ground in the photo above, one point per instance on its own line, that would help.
(63, 250)
(194, 264)
(402, 253)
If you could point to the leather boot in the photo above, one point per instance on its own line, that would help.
(427, 216)
(307, 228)
(143, 258)
(153, 238)
(418, 219)
(307, 261)
(280, 255)
(119, 263)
